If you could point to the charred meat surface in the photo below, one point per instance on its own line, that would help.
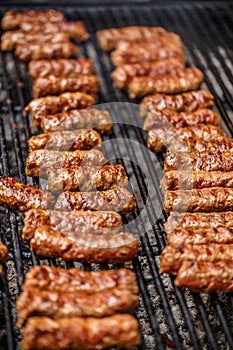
(57, 305)
(179, 81)
(108, 38)
(199, 220)
(34, 50)
(83, 139)
(4, 255)
(174, 180)
(199, 200)
(77, 119)
(10, 39)
(184, 102)
(81, 221)
(60, 67)
(12, 19)
(16, 195)
(219, 144)
(39, 161)
(86, 178)
(121, 331)
(123, 75)
(90, 248)
(117, 199)
(52, 85)
(173, 257)
(146, 54)
(74, 280)
(206, 276)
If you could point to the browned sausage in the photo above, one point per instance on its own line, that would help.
(90, 248)
(60, 66)
(4, 255)
(218, 144)
(74, 280)
(88, 333)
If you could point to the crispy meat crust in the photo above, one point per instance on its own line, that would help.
(77, 119)
(178, 81)
(117, 199)
(57, 305)
(196, 161)
(75, 30)
(198, 220)
(10, 39)
(146, 54)
(86, 178)
(123, 75)
(206, 276)
(82, 139)
(219, 144)
(174, 180)
(15, 195)
(39, 161)
(183, 236)
(74, 280)
(4, 255)
(52, 85)
(160, 138)
(199, 200)
(108, 38)
(89, 333)
(90, 248)
(60, 67)
(185, 102)
(12, 20)
(34, 50)
(81, 221)
(157, 119)
(173, 257)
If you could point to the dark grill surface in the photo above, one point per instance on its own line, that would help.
(169, 316)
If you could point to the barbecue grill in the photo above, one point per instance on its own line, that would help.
(169, 317)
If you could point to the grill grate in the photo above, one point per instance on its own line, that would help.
(169, 316)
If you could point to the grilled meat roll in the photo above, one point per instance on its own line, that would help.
(39, 161)
(53, 104)
(206, 276)
(205, 161)
(34, 50)
(219, 144)
(82, 139)
(77, 119)
(123, 75)
(12, 20)
(108, 38)
(60, 67)
(184, 236)
(167, 39)
(57, 305)
(90, 248)
(174, 180)
(203, 200)
(97, 222)
(75, 30)
(173, 257)
(74, 280)
(121, 331)
(179, 81)
(86, 178)
(16, 195)
(117, 199)
(4, 255)
(146, 54)
(52, 85)
(10, 39)
(198, 220)
(160, 138)
(157, 119)
(184, 102)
